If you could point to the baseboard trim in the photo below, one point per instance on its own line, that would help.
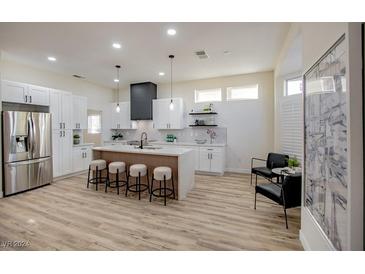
(55, 179)
(238, 170)
(304, 241)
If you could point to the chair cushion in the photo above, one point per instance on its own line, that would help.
(134, 170)
(263, 171)
(271, 191)
(100, 164)
(160, 172)
(114, 167)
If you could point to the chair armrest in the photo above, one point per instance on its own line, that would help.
(257, 159)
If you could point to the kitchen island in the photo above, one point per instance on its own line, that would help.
(180, 160)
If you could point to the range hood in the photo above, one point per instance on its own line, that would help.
(142, 95)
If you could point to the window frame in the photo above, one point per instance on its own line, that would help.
(292, 79)
(196, 91)
(228, 89)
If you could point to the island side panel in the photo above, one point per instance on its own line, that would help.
(186, 167)
(151, 161)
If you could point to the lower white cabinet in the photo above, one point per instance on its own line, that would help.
(211, 159)
(62, 152)
(207, 159)
(81, 158)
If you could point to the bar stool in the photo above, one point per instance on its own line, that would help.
(137, 171)
(98, 166)
(162, 173)
(116, 168)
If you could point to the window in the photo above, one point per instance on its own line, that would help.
(293, 86)
(208, 95)
(243, 93)
(94, 124)
(291, 125)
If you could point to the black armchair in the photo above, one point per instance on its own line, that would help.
(273, 160)
(288, 193)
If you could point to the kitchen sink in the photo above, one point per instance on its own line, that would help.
(148, 147)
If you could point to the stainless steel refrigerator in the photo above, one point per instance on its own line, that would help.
(27, 150)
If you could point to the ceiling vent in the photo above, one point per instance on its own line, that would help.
(78, 76)
(201, 54)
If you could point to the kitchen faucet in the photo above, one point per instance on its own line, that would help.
(143, 134)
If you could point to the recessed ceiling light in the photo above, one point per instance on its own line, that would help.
(52, 59)
(117, 45)
(161, 73)
(171, 32)
(227, 52)
(116, 80)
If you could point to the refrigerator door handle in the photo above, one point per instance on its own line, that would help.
(30, 136)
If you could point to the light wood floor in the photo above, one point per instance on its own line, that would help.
(217, 215)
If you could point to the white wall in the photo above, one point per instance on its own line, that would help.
(97, 95)
(317, 38)
(249, 123)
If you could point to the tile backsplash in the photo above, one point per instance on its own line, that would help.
(182, 135)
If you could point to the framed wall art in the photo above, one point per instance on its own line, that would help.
(325, 144)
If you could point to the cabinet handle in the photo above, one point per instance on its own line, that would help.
(26, 98)
(30, 97)
(60, 125)
(64, 125)
(61, 133)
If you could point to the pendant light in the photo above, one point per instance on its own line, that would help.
(171, 103)
(117, 109)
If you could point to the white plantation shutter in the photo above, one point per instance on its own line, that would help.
(291, 125)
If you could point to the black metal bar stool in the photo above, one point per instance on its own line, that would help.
(162, 174)
(137, 171)
(98, 166)
(116, 168)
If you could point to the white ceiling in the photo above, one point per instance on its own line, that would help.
(86, 49)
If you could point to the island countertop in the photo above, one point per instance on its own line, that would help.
(155, 150)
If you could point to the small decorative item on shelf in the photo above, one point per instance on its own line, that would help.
(208, 108)
(211, 134)
(170, 138)
(76, 139)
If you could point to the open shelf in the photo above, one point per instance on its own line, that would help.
(203, 113)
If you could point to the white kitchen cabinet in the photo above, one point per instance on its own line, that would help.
(81, 158)
(212, 159)
(121, 119)
(15, 92)
(61, 109)
(38, 95)
(62, 152)
(164, 117)
(79, 112)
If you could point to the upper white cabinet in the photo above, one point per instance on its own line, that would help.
(166, 118)
(79, 116)
(61, 109)
(38, 95)
(121, 119)
(23, 93)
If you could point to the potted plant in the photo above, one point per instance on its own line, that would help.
(293, 163)
(76, 139)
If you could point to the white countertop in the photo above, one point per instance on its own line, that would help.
(173, 151)
(84, 145)
(207, 144)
